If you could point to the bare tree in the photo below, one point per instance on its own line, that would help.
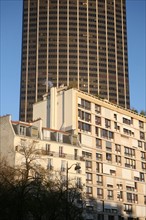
(28, 191)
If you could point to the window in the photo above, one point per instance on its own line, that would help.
(104, 133)
(88, 190)
(119, 186)
(143, 165)
(22, 130)
(75, 154)
(99, 193)
(84, 126)
(87, 154)
(108, 157)
(142, 136)
(109, 185)
(98, 156)
(50, 164)
(97, 131)
(119, 195)
(129, 151)
(46, 134)
(97, 120)
(98, 143)
(128, 132)
(107, 123)
(130, 163)
(143, 155)
(108, 146)
(79, 182)
(59, 137)
(111, 135)
(85, 104)
(128, 208)
(113, 172)
(117, 147)
(99, 167)
(97, 109)
(118, 159)
(126, 121)
(130, 188)
(135, 185)
(107, 134)
(61, 154)
(116, 126)
(88, 164)
(88, 177)
(84, 116)
(99, 179)
(145, 200)
(141, 124)
(139, 143)
(109, 194)
(132, 197)
(34, 132)
(115, 116)
(142, 177)
(47, 148)
(63, 165)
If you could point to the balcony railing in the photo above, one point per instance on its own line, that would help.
(62, 155)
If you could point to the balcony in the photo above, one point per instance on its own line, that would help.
(62, 155)
(49, 153)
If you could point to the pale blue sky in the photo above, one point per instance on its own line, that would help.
(10, 54)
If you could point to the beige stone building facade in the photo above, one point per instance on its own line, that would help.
(113, 142)
(56, 150)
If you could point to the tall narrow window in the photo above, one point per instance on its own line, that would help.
(88, 189)
(47, 148)
(61, 151)
(99, 193)
(75, 154)
(63, 165)
(79, 182)
(50, 164)
(110, 194)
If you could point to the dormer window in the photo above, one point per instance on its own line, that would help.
(34, 132)
(22, 130)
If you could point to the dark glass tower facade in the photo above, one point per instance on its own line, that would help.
(81, 43)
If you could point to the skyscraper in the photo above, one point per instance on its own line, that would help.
(81, 43)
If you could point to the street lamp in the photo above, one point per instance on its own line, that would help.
(77, 167)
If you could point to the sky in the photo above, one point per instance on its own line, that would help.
(10, 54)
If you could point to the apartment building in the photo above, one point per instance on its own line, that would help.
(56, 150)
(113, 142)
(81, 43)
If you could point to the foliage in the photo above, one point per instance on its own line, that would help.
(134, 110)
(143, 112)
(30, 192)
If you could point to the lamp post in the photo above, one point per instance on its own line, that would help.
(77, 167)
